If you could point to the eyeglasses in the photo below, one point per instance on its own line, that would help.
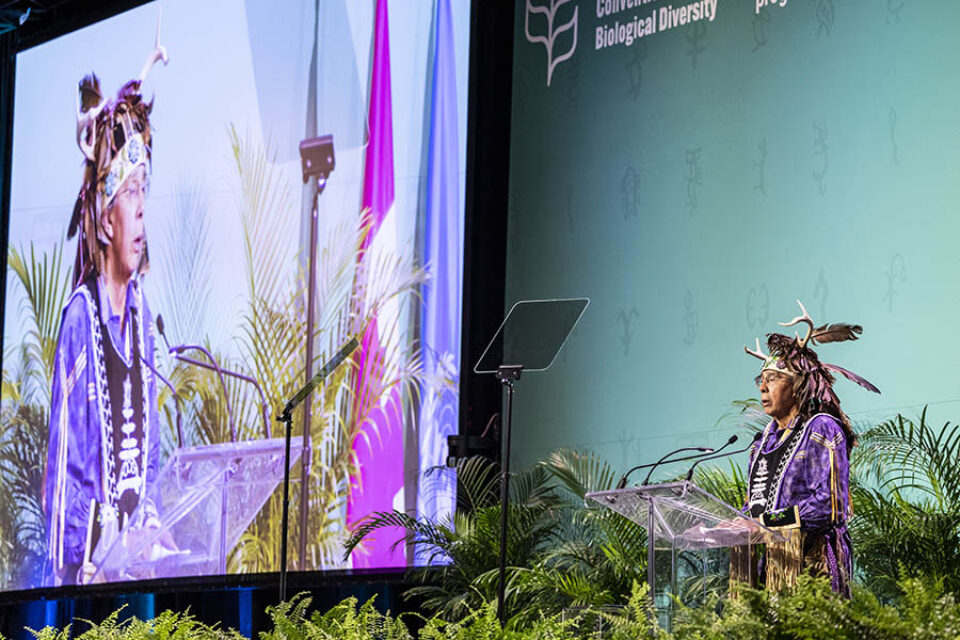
(770, 379)
(134, 187)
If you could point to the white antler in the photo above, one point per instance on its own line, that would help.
(805, 318)
(159, 53)
(88, 121)
(758, 353)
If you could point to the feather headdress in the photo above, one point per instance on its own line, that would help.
(115, 138)
(793, 356)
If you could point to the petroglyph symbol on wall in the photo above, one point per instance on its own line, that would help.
(893, 136)
(626, 317)
(693, 177)
(630, 193)
(695, 34)
(896, 273)
(691, 319)
(824, 17)
(760, 21)
(758, 306)
(552, 32)
(760, 164)
(821, 291)
(638, 53)
(894, 7)
(820, 150)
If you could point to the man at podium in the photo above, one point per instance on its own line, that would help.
(798, 473)
(104, 425)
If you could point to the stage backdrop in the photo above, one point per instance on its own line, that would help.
(227, 220)
(694, 168)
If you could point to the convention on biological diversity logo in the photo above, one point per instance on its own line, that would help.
(644, 24)
(550, 28)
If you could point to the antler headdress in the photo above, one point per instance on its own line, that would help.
(795, 357)
(115, 139)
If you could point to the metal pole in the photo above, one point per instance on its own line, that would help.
(651, 551)
(308, 370)
(287, 420)
(507, 379)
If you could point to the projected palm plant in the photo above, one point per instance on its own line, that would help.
(273, 347)
(24, 413)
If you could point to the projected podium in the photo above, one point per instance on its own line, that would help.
(204, 498)
(680, 516)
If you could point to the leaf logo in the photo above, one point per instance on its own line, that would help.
(550, 38)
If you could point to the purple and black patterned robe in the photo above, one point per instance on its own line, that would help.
(104, 425)
(807, 469)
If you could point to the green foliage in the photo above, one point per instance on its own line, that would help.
(45, 282)
(809, 611)
(168, 625)
(560, 553)
(292, 621)
(906, 504)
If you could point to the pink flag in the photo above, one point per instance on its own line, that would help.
(379, 447)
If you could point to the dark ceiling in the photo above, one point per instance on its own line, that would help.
(35, 21)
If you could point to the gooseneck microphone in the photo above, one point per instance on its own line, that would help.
(703, 450)
(176, 398)
(755, 438)
(729, 442)
(177, 352)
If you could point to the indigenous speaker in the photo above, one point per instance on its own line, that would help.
(798, 474)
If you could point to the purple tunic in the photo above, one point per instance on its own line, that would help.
(814, 476)
(85, 461)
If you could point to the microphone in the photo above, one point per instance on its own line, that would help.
(704, 450)
(325, 370)
(176, 353)
(176, 398)
(755, 438)
(729, 442)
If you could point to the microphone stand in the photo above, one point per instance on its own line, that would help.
(177, 353)
(286, 417)
(756, 437)
(176, 400)
(622, 483)
(729, 442)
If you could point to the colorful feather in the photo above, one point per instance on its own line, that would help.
(90, 95)
(838, 332)
(850, 375)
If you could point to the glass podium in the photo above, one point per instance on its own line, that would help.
(681, 517)
(195, 511)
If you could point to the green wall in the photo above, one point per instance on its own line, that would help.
(697, 182)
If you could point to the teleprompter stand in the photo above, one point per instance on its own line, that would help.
(529, 339)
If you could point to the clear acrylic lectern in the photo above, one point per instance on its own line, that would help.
(194, 513)
(680, 516)
(529, 339)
